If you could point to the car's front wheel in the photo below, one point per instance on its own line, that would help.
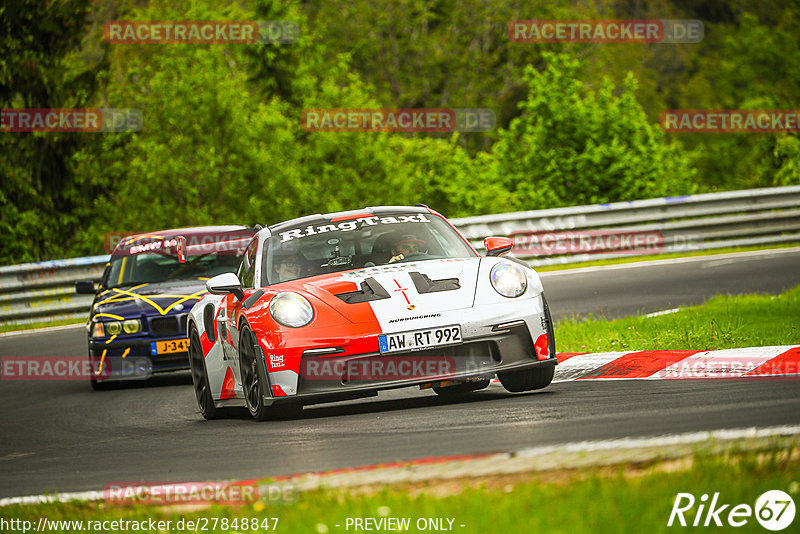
(255, 386)
(252, 384)
(202, 390)
(538, 377)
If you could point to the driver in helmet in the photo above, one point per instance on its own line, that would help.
(408, 245)
(287, 267)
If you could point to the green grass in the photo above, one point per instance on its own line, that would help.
(32, 326)
(637, 259)
(624, 499)
(721, 323)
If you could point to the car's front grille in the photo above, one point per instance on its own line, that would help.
(476, 357)
(482, 349)
(165, 326)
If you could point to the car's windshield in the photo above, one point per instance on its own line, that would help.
(149, 268)
(359, 241)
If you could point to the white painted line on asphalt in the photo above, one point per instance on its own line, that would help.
(61, 497)
(662, 312)
(43, 330)
(528, 459)
(665, 440)
(753, 254)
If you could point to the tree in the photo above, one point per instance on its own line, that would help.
(41, 67)
(574, 145)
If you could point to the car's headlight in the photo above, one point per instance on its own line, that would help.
(291, 309)
(112, 328)
(508, 279)
(131, 326)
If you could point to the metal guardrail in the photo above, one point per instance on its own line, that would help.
(682, 224)
(43, 291)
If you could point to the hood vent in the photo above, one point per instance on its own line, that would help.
(370, 290)
(426, 285)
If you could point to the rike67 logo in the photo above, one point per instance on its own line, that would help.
(774, 510)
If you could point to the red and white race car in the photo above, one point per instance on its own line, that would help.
(339, 306)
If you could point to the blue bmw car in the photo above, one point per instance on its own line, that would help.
(137, 323)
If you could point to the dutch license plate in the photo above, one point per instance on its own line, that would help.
(420, 339)
(168, 347)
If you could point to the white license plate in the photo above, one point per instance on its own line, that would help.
(420, 339)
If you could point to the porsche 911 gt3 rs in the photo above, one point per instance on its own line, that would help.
(343, 305)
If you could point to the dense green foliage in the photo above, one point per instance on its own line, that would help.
(578, 146)
(40, 194)
(222, 140)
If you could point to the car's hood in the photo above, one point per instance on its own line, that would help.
(402, 291)
(158, 298)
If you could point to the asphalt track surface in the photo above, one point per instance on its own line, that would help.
(62, 436)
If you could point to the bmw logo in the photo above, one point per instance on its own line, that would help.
(179, 307)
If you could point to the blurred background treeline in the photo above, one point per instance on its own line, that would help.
(222, 141)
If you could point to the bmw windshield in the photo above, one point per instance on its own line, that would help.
(358, 241)
(150, 268)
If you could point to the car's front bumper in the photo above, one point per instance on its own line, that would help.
(372, 389)
(507, 350)
(139, 350)
(496, 340)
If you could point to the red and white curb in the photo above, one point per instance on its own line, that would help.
(746, 363)
(565, 456)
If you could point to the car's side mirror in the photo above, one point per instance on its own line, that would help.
(497, 246)
(85, 287)
(225, 283)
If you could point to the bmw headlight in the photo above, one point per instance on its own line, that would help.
(112, 327)
(291, 309)
(131, 326)
(508, 279)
